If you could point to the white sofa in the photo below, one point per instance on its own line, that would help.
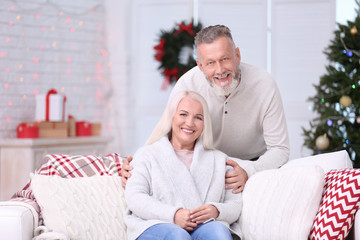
(17, 222)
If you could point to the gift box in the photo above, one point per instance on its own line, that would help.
(72, 126)
(96, 129)
(27, 130)
(53, 129)
(83, 129)
(50, 107)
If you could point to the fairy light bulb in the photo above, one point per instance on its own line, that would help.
(329, 122)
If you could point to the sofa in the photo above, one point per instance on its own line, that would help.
(80, 197)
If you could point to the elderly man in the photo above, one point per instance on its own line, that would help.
(245, 105)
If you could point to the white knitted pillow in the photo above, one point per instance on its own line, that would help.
(281, 204)
(82, 208)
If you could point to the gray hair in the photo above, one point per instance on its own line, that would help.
(211, 33)
(163, 128)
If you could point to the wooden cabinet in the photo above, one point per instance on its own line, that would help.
(20, 157)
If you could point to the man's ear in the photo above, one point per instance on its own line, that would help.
(238, 56)
(199, 64)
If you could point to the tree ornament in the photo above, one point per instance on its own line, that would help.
(345, 101)
(322, 142)
(353, 30)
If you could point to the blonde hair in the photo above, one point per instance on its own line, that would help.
(163, 128)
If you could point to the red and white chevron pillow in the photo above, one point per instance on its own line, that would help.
(340, 201)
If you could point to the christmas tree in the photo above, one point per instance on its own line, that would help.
(337, 101)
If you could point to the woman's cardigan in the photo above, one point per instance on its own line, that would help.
(161, 184)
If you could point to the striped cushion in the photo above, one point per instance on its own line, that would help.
(339, 204)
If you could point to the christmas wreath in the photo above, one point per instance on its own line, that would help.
(175, 51)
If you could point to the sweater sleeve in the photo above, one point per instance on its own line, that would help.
(230, 208)
(138, 193)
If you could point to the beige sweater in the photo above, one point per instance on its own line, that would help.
(250, 123)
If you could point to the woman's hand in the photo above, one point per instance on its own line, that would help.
(182, 219)
(125, 168)
(203, 213)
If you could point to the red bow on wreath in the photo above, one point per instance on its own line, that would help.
(168, 75)
(160, 50)
(187, 28)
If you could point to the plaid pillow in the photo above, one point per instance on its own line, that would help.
(339, 204)
(69, 166)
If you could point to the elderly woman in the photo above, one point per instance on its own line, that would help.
(177, 188)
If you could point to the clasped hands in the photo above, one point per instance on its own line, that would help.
(190, 219)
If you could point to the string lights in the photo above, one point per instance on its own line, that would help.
(48, 44)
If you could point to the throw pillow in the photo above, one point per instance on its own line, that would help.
(82, 208)
(339, 204)
(281, 204)
(70, 166)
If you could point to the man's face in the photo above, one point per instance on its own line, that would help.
(219, 61)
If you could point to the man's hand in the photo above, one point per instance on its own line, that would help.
(125, 168)
(182, 219)
(203, 213)
(235, 179)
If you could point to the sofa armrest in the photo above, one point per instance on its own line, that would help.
(328, 161)
(16, 222)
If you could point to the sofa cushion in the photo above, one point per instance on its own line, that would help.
(281, 203)
(82, 208)
(339, 204)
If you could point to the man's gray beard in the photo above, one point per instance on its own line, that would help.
(224, 92)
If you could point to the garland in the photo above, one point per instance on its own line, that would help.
(175, 52)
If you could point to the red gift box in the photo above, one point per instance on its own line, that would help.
(27, 130)
(83, 129)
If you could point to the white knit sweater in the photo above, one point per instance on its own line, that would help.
(161, 184)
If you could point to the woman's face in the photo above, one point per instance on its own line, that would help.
(187, 124)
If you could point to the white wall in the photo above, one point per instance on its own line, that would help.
(45, 45)
(300, 31)
(147, 99)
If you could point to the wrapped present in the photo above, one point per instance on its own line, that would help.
(83, 128)
(27, 130)
(96, 129)
(51, 107)
(53, 129)
(72, 126)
